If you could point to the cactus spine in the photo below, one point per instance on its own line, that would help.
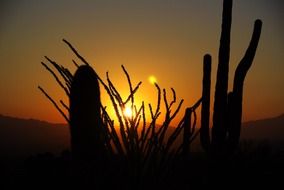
(227, 113)
(85, 119)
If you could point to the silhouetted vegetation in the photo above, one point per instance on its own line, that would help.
(227, 115)
(139, 145)
(138, 154)
(86, 125)
(254, 165)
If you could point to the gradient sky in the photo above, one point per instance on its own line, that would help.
(164, 38)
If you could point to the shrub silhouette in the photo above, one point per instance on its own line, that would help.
(227, 114)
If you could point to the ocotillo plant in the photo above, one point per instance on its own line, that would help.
(227, 113)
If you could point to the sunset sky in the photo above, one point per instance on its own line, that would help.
(166, 39)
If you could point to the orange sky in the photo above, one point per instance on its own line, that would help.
(166, 39)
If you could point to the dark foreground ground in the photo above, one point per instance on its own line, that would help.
(258, 166)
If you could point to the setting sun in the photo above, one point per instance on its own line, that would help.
(128, 112)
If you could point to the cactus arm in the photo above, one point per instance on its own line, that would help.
(237, 96)
(221, 88)
(205, 108)
(247, 60)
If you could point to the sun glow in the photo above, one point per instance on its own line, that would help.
(128, 112)
(152, 79)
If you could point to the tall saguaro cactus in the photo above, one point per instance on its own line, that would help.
(85, 121)
(227, 113)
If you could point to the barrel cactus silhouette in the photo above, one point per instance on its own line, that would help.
(227, 113)
(85, 118)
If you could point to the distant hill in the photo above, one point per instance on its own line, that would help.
(24, 137)
(271, 129)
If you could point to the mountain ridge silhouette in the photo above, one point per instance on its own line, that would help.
(25, 137)
(271, 129)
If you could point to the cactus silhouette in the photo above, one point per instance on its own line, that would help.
(85, 118)
(227, 113)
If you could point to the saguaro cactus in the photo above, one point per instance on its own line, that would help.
(85, 120)
(227, 113)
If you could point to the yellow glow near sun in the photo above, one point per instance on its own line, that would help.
(152, 79)
(128, 112)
